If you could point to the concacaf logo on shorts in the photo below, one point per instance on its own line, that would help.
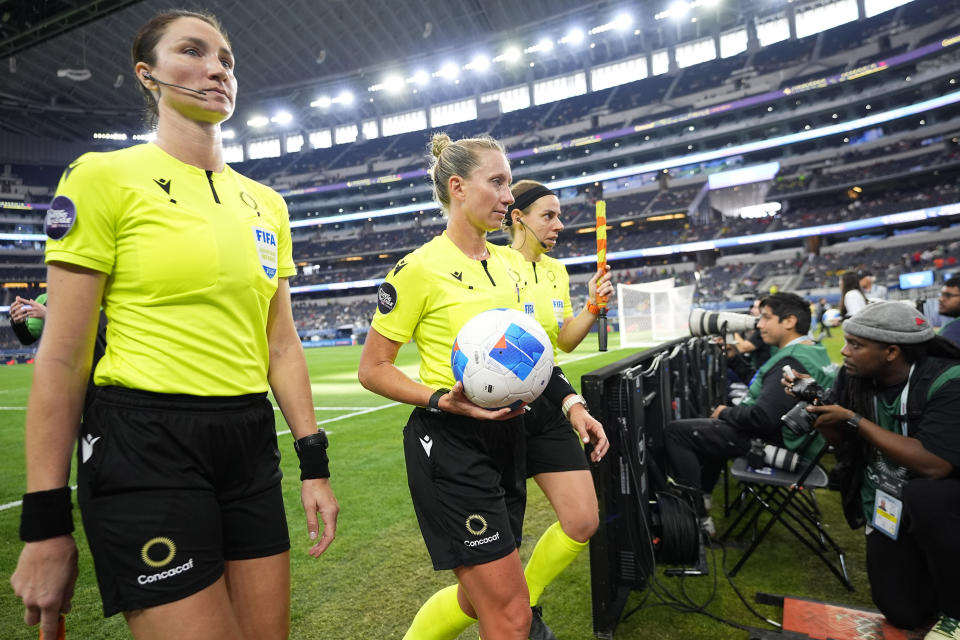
(477, 526)
(157, 553)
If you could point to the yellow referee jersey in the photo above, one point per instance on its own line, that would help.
(432, 292)
(547, 295)
(193, 258)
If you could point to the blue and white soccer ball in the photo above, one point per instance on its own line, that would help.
(832, 318)
(503, 357)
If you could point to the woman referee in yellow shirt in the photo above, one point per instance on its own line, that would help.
(555, 455)
(465, 464)
(178, 466)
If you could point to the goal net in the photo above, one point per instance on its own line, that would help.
(653, 312)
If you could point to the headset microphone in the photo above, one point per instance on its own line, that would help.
(542, 243)
(170, 84)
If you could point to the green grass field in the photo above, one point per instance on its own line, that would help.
(377, 573)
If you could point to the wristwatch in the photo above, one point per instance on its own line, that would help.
(433, 405)
(570, 401)
(854, 422)
(318, 439)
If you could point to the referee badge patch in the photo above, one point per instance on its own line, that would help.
(266, 242)
(386, 298)
(60, 217)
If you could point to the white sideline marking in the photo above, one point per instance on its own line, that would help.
(348, 415)
(332, 408)
(17, 503)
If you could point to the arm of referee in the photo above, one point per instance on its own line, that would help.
(290, 382)
(47, 568)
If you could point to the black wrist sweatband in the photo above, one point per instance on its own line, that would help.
(312, 452)
(46, 514)
(558, 388)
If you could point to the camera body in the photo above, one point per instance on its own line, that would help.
(798, 419)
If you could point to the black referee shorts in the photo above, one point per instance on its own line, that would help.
(553, 444)
(468, 486)
(171, 486)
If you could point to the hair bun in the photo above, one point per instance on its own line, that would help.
(438, 143)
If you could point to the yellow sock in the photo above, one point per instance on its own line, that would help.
(555, 550)
(440, 617)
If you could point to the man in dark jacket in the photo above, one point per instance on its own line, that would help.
(697, 448)
(898, 440)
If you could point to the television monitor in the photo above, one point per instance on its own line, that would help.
(916, 279)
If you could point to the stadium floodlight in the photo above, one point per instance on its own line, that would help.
(510, 55)
(420, 78)
(545, 45)
(323, 102)
(449, 71)
(480, 63)
(394, 83)
(258, 121)
(623, 21)
(282, 118)
(228, 134)
(574, 37)
(344, 97)
(148, 137)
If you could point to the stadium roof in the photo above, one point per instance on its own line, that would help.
(285, 50)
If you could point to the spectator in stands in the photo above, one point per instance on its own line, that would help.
(852, 297)
(477, 464)
(950, 308)
(27, 317)
(894, 426)
(697, 448)
(870, 288)
(189, 495)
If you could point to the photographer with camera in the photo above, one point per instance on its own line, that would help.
(898, 446)
(697, 448)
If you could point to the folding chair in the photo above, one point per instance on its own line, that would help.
(788, 498)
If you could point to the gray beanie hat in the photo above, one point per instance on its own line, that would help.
(890, 323)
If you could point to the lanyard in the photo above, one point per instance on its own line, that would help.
(903, 403)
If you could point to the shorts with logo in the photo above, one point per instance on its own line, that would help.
(468, 486)
(553, 445)
(171, 486)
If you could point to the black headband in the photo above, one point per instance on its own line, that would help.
(527, 198)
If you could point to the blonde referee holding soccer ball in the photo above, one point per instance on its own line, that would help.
(465, 464)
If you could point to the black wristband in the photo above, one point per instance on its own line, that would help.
(433, 405)
(46, 514)
(558, 388)
(312, 452)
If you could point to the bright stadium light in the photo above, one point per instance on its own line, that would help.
(449, 71)
(623, 21)
(420, 78)
(282, 117)
(480, 63)
(393, 84)
(110, 136)
(323, 102)
(510, 55)
(258, 121)
(148, 137)
(344, 97)
(228, 134)
(573, 37)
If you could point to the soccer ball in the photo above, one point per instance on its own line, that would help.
(832, 318)
(504, 359)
